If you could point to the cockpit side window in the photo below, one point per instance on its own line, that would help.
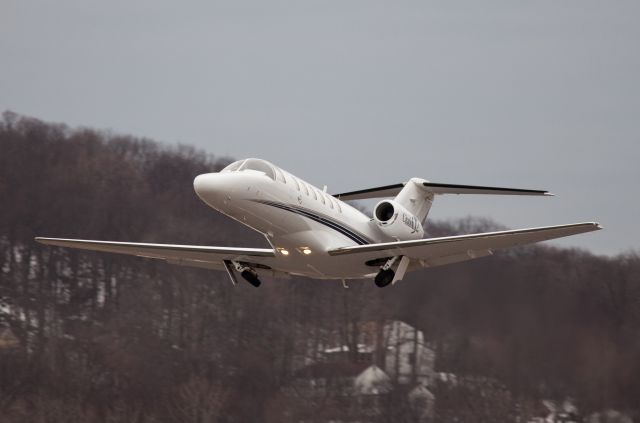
(295, 181)
(260, 166)
(280, 176)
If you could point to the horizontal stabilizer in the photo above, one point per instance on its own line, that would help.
(436, 188)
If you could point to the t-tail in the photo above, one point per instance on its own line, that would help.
(412, 201)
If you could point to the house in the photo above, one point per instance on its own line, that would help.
(382, 374)
(407, 359)
(396, 347)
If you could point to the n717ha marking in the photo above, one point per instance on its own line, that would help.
(319, 236)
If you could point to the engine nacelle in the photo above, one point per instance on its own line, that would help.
(396, 221)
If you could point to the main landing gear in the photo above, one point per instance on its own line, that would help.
(392, 272)
(245, 271)
(384, 278)
(386, 274)
(251, 276)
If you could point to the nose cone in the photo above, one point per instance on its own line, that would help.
(210, 187)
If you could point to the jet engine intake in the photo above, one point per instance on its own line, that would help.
(396, 221)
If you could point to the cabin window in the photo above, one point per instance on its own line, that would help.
(295, 181)
(329, 201)
(337, 203)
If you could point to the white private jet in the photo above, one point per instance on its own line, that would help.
(317, 235)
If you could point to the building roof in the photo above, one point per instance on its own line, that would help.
(372, 381)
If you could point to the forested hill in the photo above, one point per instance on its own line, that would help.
(99, 337)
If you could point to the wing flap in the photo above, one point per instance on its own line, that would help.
(194, 255)
(451, 249)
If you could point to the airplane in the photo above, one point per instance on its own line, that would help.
(317, 235)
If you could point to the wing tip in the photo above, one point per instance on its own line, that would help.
(48, 241)
(593, 226)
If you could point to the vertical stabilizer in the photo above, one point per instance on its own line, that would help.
(416, 199)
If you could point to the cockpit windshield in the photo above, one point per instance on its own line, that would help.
(252, 165)
(233, 166)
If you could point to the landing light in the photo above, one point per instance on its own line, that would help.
(306, 251)
(283, 251)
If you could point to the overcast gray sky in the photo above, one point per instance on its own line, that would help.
(360, 93)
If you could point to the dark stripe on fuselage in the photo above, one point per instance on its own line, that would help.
(344, 230)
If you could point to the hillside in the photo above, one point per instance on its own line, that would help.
(99, 337)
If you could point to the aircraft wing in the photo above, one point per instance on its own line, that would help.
(436, 188)
(188, 255)
(377, 192)
(450, 249)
